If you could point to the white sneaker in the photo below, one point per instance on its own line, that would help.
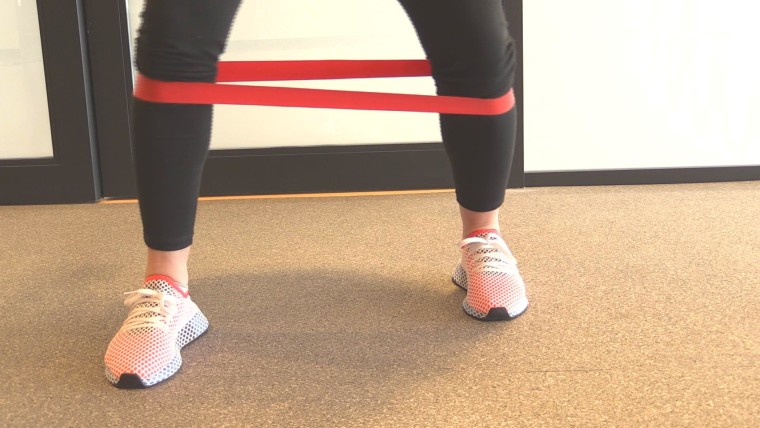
(162, 320)
(488, 271)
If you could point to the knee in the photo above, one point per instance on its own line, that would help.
(182, 40)
(176, 61)
(485, 73)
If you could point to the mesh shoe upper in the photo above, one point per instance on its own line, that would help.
(489, 273)
(146, 345)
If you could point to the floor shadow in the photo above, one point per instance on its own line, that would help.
(327, 340)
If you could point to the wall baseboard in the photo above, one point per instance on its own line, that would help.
(642, 176)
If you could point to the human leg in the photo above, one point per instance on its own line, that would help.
(472, 55)
(180, 40)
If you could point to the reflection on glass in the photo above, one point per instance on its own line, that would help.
(308, 30)
(24, 120)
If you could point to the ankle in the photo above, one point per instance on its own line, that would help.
(169, 263)
(470, 232)
(473, 221)
(179, 277)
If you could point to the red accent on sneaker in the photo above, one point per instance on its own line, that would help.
(482, 232)
(171, 281)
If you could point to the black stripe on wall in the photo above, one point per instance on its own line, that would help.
(327, 169)
(642, 176)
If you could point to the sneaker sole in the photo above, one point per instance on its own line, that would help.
(195, 328)
(494, 314)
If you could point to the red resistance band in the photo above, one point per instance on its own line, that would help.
(156, 91)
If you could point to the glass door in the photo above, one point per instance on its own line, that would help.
(25, 130)
(265, 150)
(45, 140)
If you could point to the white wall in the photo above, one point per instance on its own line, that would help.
(326, 29)
(608, 84)
(9, 28)
(24, 119)
(641, 83)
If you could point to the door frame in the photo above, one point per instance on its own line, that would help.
(69, 176)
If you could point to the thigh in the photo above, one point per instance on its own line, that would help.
(468, 45)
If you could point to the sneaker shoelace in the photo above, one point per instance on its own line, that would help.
(487, 254)
(149, 309)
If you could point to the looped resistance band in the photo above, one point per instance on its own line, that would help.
(156, 91)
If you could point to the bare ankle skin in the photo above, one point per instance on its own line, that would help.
(170, 263)
(473, 220)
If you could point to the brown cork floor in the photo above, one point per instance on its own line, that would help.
(339, 311)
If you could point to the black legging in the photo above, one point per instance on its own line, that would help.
(466, 42)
